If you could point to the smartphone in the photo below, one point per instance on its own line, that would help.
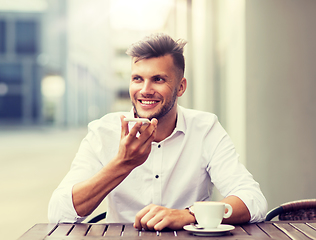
(143, 120)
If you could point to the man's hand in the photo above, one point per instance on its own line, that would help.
(133, 149)
(155, 217)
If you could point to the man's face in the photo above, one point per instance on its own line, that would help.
(155, 86)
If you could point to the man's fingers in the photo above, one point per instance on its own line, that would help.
(161, 224)
(154, 217)
(125, 130)
(146, 218)
(156, 222)
(146, 146)
(139, 217)
(124, 126)
(151, 218)
(149, 131)
(153, 124)
(145, 130)
(135, 129)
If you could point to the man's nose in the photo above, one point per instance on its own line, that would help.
(147, 88)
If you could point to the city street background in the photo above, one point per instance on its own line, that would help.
(33, 162)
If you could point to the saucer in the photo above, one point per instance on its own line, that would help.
(220, 230)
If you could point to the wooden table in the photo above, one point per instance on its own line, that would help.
(266, 230)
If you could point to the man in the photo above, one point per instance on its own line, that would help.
(151, 173)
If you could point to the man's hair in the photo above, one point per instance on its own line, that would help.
(158, 45)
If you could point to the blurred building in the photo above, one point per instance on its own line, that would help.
(20, 73)
(64, 62)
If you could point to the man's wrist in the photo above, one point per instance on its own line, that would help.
(191, 211)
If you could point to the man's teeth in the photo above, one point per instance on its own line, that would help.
(148, 102)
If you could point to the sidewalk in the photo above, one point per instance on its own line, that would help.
(33, 162)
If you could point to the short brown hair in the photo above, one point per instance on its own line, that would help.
(158, 45)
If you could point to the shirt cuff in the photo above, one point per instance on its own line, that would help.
(61, 208)
(256, 208)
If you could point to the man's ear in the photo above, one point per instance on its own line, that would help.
(182, 87)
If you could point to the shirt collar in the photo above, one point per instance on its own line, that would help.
(180, 126)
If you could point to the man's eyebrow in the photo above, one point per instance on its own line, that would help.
(160, 75)
(136, 75)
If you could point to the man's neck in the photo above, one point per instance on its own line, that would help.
(166, 125)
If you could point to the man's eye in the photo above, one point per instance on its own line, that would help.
(158, 79)
(136, 79)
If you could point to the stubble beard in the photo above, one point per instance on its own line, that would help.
(161, 112)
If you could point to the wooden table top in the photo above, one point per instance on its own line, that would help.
(265, 230)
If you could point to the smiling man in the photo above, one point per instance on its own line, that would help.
(151, 173)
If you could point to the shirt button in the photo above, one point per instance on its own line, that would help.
(157, 176)
(159, 146)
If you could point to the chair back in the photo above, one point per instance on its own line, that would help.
(295, 210)
(98, 218)
(299, 210)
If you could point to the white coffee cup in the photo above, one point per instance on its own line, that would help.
(209, 214)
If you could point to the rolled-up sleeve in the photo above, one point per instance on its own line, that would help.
(231, 177)
(85, 164)
(61, 207)
(256, 204)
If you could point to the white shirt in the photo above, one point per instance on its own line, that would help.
(180, 170)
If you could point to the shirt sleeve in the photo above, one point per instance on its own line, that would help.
(61, 209)
(231, 177)
(85, 165)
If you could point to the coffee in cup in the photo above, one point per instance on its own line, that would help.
(209, 214)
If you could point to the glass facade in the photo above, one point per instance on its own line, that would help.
(19, 71)
(2, 36)
(11, 73)
(11, 107)
(26, 37)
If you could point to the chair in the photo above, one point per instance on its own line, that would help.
(296, 210)
(98, 218)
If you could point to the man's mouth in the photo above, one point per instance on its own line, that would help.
(147, 102)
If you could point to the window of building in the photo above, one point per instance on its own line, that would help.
(2, 36)
(10, 107)
(11, 72)
(26, 37)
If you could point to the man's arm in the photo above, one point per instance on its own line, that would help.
(155, 217)
(240, 211)
(133, 151)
